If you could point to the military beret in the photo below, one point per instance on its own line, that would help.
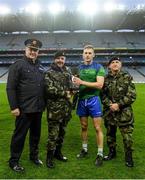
(33, 43)
(114, 59)
(58, 54)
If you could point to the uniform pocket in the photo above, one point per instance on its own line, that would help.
(29, 75)
(126, 115)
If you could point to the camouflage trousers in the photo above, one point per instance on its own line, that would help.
(56, 133)
(126, 132)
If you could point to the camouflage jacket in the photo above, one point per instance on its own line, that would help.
(57, 84)
(118, 89)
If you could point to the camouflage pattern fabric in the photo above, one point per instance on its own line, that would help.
(126, 133)
(119, 89)
(127, 137)
(57, 86)
(56, 133)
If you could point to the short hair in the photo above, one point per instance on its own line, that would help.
(89, 46)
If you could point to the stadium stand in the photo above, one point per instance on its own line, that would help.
(130, 40)
(120, 33)
(137, 76)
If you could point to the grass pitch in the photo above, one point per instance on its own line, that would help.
(74, 168)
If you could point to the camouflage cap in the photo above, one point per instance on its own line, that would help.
(58, 54)
(33, 43)
(113, 59)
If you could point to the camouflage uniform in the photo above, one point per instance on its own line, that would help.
(57, 83)
(119, 89)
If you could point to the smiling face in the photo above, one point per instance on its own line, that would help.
(88, 55)
(60, 61)
(115, 66)
(31, 53)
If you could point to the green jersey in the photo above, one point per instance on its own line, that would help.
(89, 73)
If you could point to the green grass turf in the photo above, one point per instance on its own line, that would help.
(74, 168)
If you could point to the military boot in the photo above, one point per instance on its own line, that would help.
(49, 159)
(128, 158)
(111, 154)
(58, 154)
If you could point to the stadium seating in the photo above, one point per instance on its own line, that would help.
(127, 40)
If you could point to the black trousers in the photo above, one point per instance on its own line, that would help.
(23, 123)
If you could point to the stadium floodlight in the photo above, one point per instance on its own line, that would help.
(121, 7)
(110, 6)
(140, 6)
(33, 8)
(88, 8)
(56, 8)
(4, 10)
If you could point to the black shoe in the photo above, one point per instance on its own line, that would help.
(49, 163)
(36, 161)
(82, 154)
(99, 160)
(16, 168)
(60, 157)
(128, 159)
(129, 163)
(111, 155)
(49, 159)
(58, 154)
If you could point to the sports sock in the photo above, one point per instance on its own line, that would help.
(85, 147)
(100, 151)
